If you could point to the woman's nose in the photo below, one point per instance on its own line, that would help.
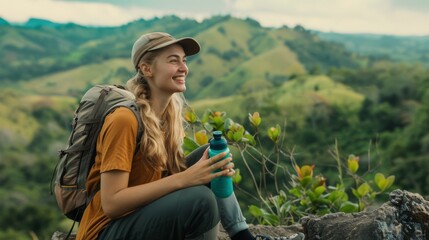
(183, 67)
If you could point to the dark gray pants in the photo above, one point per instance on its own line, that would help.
(184, 214)
(190, 213)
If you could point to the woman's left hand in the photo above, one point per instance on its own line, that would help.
(229, 166)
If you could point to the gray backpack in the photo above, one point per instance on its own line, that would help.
(75, 161)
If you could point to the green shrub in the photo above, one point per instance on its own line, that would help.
(286, 191)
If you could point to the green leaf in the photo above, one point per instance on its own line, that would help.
(217, 121)
(349, 207)
(324, 201)
(271, 219)
(304, 202)
(206, 116)
(295, 192)
(228, 123)
(311, 195)
(363, 189)
(319, 190)
(237, 136)
(390, 181)
(236, 179)
(356, 193)
(249, 138)
(285, 208)
(380, 180)
(277, 201)
(230, 135)
(337, 195)
(306, 181)
(323, 211)
(189, 145)
(361, 206)
(283, 194)
(255, 211)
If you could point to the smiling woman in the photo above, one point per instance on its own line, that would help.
(148, 189)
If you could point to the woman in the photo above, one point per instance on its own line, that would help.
(156, 193)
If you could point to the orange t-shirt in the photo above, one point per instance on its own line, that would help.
(115, 151)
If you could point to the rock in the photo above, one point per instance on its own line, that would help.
(277, 231)
(405, 216)
(62, 236)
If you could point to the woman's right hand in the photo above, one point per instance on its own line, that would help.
(203, 171)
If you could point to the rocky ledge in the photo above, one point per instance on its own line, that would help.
(405, 216)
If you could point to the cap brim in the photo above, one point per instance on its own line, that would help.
(190, 45)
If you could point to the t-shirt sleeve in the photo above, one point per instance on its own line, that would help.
(117, 140)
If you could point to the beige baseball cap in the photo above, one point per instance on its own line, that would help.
(157, 40)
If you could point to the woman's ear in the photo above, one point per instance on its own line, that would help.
(146, 70)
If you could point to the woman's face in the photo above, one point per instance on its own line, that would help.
(169, 71)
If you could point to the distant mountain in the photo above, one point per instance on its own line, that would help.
(399, 48)
(3, 22)
(37, 22)
(236, 53)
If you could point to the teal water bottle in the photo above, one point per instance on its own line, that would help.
(221, 186)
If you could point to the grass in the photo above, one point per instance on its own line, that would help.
(77, 79)
(294, 100)
(18, 124)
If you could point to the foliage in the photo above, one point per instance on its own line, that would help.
(401, 49)
(372, 106)
(317, 55)
(305, 194)
(409, 151)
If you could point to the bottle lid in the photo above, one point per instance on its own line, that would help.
(218, 142)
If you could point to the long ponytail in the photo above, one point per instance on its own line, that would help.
(161, 143)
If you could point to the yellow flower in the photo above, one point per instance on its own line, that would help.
(201, 137)
(353, 163)
(274, 133)
(255, 119)
(190, 116)
(304, 171)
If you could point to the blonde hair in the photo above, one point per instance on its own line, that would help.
(162, 139)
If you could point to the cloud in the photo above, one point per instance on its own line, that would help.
(86, 13)
(351, 16)
(413, 5)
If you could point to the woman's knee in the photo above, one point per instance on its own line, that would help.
(199, 204)
(200, 197)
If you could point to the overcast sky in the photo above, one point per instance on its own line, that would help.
(397, 17)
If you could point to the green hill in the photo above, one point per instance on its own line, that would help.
(295, 100)
(319, 91)
(75, 81)
(234, 51)
(398, 48)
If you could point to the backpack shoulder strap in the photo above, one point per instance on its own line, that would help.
(134, 108)
(132, 105)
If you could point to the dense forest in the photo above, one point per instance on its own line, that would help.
(373, 100)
